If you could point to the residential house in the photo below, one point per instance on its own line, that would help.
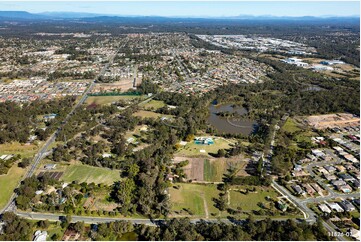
(347, 206)
(298, 189)
(346, 177)
(338, 183)
(345, 188)
(324, 208)
(336, 207)
(330, 169)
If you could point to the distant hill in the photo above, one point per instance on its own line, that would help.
(93, 17)
(19, 15)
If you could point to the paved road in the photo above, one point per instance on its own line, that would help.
(42, 152)
(93, 220)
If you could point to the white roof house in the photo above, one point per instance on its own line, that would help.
(40, 235)
(324, 208)
(335, 206)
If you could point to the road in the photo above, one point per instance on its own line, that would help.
(93, 220)
(10, 206)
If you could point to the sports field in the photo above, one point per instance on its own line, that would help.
(85, 173)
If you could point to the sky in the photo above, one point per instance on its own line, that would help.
(191, 8)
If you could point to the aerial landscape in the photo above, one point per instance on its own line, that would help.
(127, 121)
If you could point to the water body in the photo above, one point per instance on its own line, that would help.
(232, 125)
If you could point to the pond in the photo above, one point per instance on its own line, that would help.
(233, 121)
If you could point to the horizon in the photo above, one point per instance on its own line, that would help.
(211, 9)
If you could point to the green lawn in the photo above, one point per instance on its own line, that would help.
(214, 169)
(8, 183)
(153, 104)
(248, 202)
(193, 150)
(290, 126)
(85, 173)
(102, 100)
(190, 196)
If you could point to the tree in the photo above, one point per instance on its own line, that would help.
(221, 153)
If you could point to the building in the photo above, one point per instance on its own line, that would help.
(346, 177)
(204, 141)
(324, 208)
(70, 235)
(336, 207)
(322, 68)
(40, 235)
(310, 191)
(338, 183)
(49, 117)
(295, 61)
(330, 169)
(347, 206)
(298, 189)
(332, 62)
(50, 166)
(345, 188)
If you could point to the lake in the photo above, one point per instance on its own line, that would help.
(232, 125)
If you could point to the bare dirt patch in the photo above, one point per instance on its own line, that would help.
(332, 120)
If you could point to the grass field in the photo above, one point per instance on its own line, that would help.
(214, 169)
(290, 126)
(190, 196)
(153, 104)
(8, 183)
(17, 148)
(85, 173)
(248, 202)
(150, 114)
(193, 150)
(102, 100)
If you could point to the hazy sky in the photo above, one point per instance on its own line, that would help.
(187, 8)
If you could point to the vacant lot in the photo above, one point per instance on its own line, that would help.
(290, 126)
(8, 183)
(250, 201)
(21, 149)
(332, 120)
(153, 105)
(150, 114)
(85, 173)
(211, 169)
(193, 150)
(193, 198)
(102, 100)
(194, 170)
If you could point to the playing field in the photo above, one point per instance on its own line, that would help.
(8, 183)
(193, 197)
(102, 100)
(85, 173)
